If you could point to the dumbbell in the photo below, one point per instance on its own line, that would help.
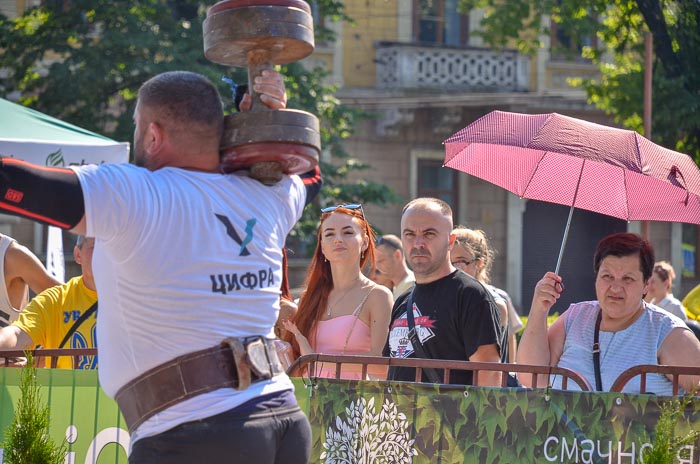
(258, 35)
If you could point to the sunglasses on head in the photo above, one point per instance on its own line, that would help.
(352, 206)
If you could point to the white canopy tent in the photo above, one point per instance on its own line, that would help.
(41, 139)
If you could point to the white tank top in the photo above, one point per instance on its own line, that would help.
(7, 313)
(635, 345)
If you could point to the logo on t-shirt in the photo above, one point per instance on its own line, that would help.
(399, 343)
(80, 341)
(231, 232)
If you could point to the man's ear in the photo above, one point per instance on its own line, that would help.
(155, 138)
(76, 255)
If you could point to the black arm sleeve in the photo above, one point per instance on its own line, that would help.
(313, 183)
(51, 196)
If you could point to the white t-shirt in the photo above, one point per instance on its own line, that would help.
(673, 305)
(8, 314)
(182, 260)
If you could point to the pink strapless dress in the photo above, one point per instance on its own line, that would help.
(332, 338)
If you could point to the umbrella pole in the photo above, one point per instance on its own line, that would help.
(566, 235)
(568, 221)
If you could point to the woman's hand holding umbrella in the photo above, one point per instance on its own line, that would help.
(539, 345)
(547, 292)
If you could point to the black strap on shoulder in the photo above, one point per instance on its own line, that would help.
(415, 340)
(596, 351)
(77, 323)
(504, 346)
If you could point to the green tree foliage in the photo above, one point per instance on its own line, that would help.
(619, 26)
(27, 440)
(84, 60)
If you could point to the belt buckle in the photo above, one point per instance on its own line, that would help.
(240, 362)
(258, 361)
(249, 356)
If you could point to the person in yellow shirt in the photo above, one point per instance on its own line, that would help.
(692, 303)
(63, 316)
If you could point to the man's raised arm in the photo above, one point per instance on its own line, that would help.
(51, 196)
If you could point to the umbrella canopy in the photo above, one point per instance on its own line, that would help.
(577, 163)
(564, 160)
(40, 139)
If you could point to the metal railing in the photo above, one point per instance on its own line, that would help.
(309, 362)
(8, 356)
(643, 369)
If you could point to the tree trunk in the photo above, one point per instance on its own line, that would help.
(663, 47)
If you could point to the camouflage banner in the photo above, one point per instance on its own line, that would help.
(371, 422)
(375, 422)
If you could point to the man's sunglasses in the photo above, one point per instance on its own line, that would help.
(352, 206)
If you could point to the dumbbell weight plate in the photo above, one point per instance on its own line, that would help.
(289, 137)
(234, 28)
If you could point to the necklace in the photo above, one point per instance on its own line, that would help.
(328, 312)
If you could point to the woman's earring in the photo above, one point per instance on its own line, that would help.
(325, 259)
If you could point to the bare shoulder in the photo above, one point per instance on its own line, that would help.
(380, 291)
(21, 263)
(18, 258)
(380, 297)
(680, 348)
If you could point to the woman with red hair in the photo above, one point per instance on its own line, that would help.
(341, 311)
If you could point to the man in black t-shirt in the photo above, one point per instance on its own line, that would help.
(455, 316)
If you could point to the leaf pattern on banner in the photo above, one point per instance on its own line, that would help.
(362, 436)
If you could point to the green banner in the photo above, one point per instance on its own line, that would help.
(379, 422)
(80, 413)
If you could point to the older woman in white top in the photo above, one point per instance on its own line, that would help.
(630, 331)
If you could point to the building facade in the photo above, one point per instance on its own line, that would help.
(421, 70)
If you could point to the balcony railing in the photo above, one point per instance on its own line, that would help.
(408, 66)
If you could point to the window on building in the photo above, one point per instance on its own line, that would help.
(567, 46)
(438, 182)
(438, 22)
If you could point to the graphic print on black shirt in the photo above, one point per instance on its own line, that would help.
(399, 342)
